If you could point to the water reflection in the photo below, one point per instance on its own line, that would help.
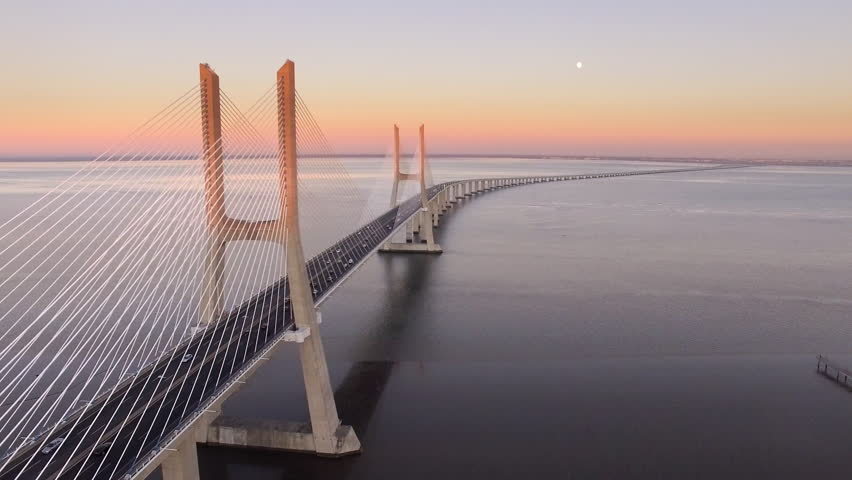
(406, 279)
(406, 282)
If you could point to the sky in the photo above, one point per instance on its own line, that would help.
(737, 79)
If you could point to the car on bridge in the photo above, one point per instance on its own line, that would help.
(52, 445)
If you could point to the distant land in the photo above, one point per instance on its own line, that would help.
(726, 161)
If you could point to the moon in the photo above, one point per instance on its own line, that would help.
(579, 65)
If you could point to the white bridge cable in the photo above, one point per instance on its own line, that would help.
(239, 155)
(97, 272)
(152, 372)
(43, 202)
(126, 363)
(13, 363)
(248, 120)
(350, 244)
(316, 150)
(183, 384)
(135, 343)
(313, 152)
(68, 249)
(312, 132)
(113, 163)
(246, 285)
(316, 216)
(65, 235)
(184, 380)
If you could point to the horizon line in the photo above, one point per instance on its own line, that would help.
(648, 158)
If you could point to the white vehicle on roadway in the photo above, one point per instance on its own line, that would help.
(51, 446)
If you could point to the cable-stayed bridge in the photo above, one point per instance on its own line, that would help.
(142, 291)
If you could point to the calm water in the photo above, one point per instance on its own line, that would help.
(644, 327)
(649, 327)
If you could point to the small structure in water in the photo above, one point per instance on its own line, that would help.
(834, 372)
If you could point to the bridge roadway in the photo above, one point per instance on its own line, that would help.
(143, 412)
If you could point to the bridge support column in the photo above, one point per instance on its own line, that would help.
(214, 190)
(329, 437)
(409, 231)
(416, 224)
(182, 464)
(426, 218)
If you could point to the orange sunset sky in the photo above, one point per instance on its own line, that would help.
(711, 79)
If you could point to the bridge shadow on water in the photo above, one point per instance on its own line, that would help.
(405, 279)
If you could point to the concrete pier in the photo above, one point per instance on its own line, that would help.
(182, 464)
(423, 222)
(277, 435)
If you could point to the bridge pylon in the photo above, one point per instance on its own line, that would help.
(325, 435)
(330, 438)
(421, 223)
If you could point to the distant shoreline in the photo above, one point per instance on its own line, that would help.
(725, 161)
